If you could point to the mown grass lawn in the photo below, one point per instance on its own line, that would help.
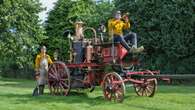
(16, 95)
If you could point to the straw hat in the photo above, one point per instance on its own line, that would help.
(79, 22)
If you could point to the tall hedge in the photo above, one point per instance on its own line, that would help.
(166, 28)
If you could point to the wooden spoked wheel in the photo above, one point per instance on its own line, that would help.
(58, 79)
(148, 88)
(113, 87)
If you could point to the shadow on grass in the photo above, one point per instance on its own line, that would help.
(72, 98)
(17, 83)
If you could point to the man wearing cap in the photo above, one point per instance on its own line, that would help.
(116, 26)
(41, 67)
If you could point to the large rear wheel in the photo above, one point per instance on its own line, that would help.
(58, 79)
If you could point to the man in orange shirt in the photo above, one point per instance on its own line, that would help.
(41, 67)
(116, 26)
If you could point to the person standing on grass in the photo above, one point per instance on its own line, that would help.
(41, 68)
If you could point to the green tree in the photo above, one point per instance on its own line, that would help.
(55, 25)
(88, 11)
(167, 31)
(20, 33)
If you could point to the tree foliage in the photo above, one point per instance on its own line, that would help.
(167, 31)
(20, 33)
(65, 11)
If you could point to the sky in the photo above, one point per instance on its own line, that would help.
(49, 4)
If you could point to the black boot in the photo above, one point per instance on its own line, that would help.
(41, 89)
(35, 91)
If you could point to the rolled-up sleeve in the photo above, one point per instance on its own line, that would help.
(110, 28)
(49, 59)
(37, 62)
(126, 25)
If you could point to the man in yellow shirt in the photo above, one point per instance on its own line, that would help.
(116, 26)
(41, 67)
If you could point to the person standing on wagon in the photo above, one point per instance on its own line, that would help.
(116, 26)
(41, 67)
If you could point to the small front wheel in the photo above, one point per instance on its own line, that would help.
(113, 87)
(148, 88)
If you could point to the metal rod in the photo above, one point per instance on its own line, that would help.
(171, 76)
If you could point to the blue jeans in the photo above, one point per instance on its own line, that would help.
(130, 38)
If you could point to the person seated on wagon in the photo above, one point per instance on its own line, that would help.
(41, 68)
(116, 26)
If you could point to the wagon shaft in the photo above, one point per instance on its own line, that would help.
(166, 76)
